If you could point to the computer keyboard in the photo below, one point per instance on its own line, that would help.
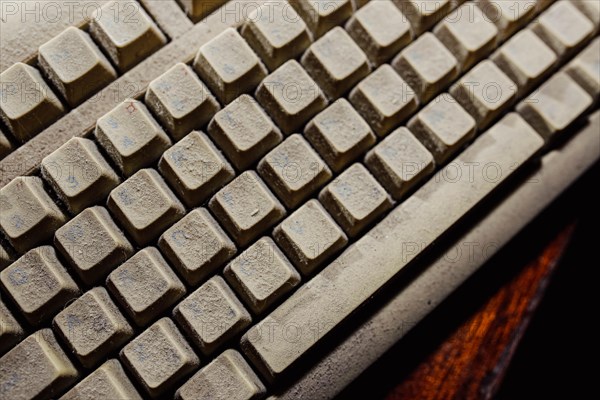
(199, 194)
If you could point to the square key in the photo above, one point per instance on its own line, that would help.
(423, 14)
(195, 168)
(339, 134)
(229, 66)
(180, 101)
(246, 208)
(159, 357)
(355, 199)
(75, 65)
(92, 326)
(384, 99)
(131, 136)
(79, 174)
(28, 216)
(335, 62)
(92, 244)
(11, 332)
(145, 286)
(443, 126)
(322, 15)
(294, 170)
(290, 96)
(509, 16)
(309, 237)
(261, 275)
(212, 315)
(39, 284)
(126, 33)
(196, 246)
(591, 9)
(244, 132)
(145, 206)
(585, 69)
(400, 161)
(27, 104)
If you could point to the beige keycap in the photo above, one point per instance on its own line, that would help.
(227, 377)
(180, 101)
(525, 59)
(293, 170)
(28, 216)
(335, 62)
(92, 244)
(423, 14)
(229, 66)
(384, 99)
(92, 326)
(37, 368)
(355, 199)
(196, 246)
(261, 275)
(400, 161)
(198, 9)
(10, 330)
(79, 174)
(131, 136)
(427, 66)
(6, 146)
(159, 357)
(468, 34)
(75, 65)
(145, 206)
(290, 96)
(246, 208)
(339, 134)
(485, 92)
(309, 237)
(322, 15)
(109, 381)
(244, 132)
(380, 29)
(195, 168)
(585, 69)
(443, 126)
(125, 32)
(591, 9)
(564, 28)
(6, 255)
(508, 16)
(39, 284)
(276, 33)
(27, 104)
(212, 315)
(145, 286)
(555, 105)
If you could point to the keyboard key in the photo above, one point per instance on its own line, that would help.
(427, 66)
(261, 275)
(246, 208)
(355, 199)
(75, 65)
(131, 137)
(423, 14)
(339, 134)
(384, 99)
(380, 29)
(145, 206)
(28, 216)
(321, 16)
(591, 9)
(145, 286)
(290, 96)
(229, 66)
(27, 104)
(335, 62)
(159, 357)
(39, 284)
(244, 132)
(293, 170)
(585, 69)
(37, 368)
(400, 161)
(509, 16)
(227, 377)
(92, 326)
(212, 315)
(92, 244)
(196, 246)
(180, 101)
(198, 9)
(10, 330)
(5, 145)
(79, 174)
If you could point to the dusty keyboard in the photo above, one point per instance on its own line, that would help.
(195, 195)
